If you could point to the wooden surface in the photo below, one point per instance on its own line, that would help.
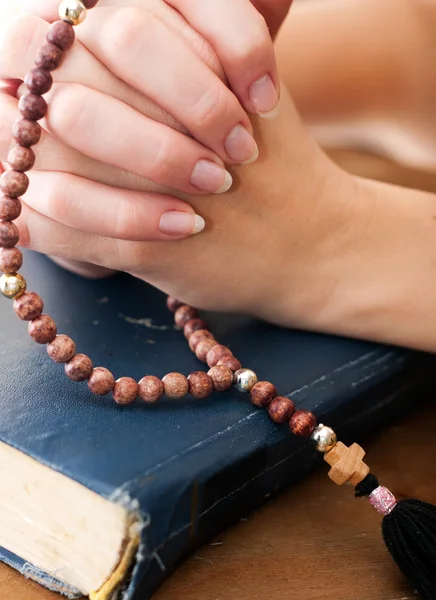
(315, 542)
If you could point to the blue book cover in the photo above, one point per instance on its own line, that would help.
(103, 500)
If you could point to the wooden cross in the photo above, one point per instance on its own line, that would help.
(347, 464)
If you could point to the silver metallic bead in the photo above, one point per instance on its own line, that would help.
(72, 11)
(245, 380)
(324, 438)
(12, 285)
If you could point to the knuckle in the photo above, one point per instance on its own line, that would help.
(20, 37)
(59, 201)
(124, 224)
(128, 27)
(211, 107)
(161, 171)
(68, 114)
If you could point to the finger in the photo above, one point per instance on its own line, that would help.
(240, 36)
(111, 132)
(111, 212)
(171, 75)
(44, 235)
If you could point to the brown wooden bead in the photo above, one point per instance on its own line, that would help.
(48, 57)
(11, 260)
(126, 391)
(101, 381)
(216, 353)
(62, 349)
(184, 314)
(14, 183)
(203, 348)
(43, 329)
(200, 385)
(262, 393)
(175, 386)
(90, 3)
(303, 423)
(281, 409)
(79, 368)
(231, 362)
(26, 133)
(32, 107)
(151, 389)
(173, 304)
(21, 158)
(61, 34)
(199, 336)
(192, 326)
(10, 208)
(9, 234)
(222, 378)
(38, 81)
(29, 306)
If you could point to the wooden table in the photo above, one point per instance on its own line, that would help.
(314, 542)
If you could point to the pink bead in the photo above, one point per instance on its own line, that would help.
(29, 306)
(382, 500)
(101, 381)
(9, 234)
(42, 330)
(125, 391)
(26, 133)
(11, 260)
(32, 107)
(216, 353)
(61, 34)
(62, 349)
(38, 81)
(14, 183)
(151, 389)
(21, 158)
(10, 208)
(48, 57)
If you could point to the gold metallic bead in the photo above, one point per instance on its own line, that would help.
(12, 285)
(324, 438)
(72, 11)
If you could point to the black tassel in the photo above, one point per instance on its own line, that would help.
(409, 532)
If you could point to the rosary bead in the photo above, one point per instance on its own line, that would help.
(281, 409)
(61, 34)
(184, 314)
(11, 260)
(26, 133)
(222, 378)
(217, 353)
(173, 304)
(200, 385)
(192, 326)
(12, 285)
(14, 183)
(10, 208)
(48, 57)
(125, 391)
(151, 389)
(324, 438)
(245, 380)
(302, 423)
(79, 368)
(263, 393)
(38, 81)
(90, 3)
(21, 158)
(42, 330)
(199, 336)
(203, 348)
(62, 349)
(29, 306)
(101, 381)
(33, 107)
(231, 362)
(72, 11)
(175, 386)
(9, 234)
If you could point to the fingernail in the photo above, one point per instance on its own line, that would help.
(178, 223)
(210, 177)
(240, 146)
(264, 98)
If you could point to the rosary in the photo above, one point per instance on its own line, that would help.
(409, 526)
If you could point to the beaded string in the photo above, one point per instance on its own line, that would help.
(225, 370)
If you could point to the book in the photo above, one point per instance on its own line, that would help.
(105, 501)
